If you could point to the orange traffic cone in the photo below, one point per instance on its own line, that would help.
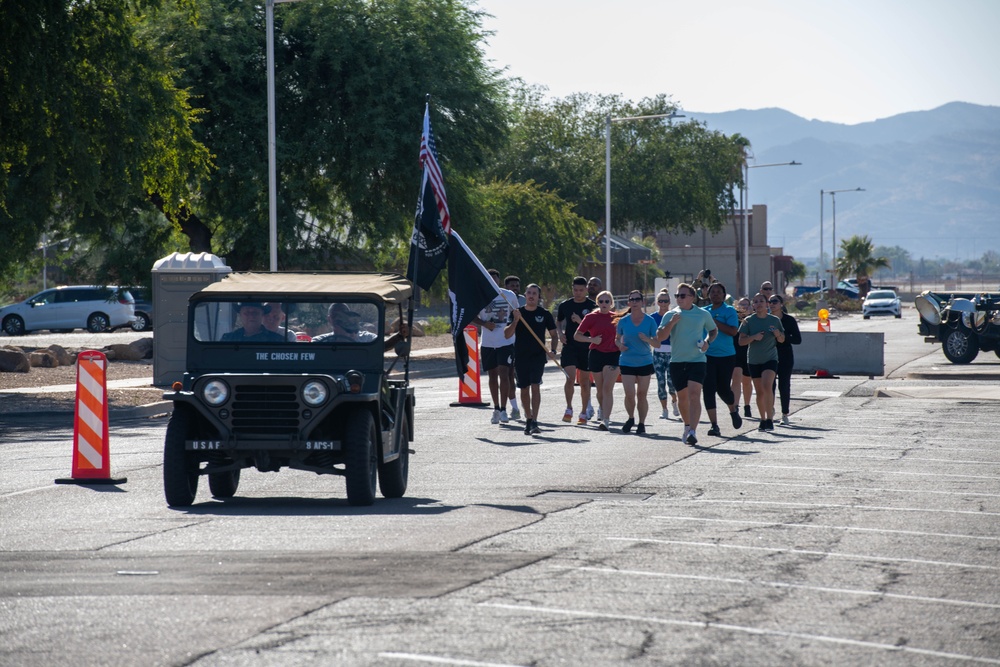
(823, 324)
(91, 454)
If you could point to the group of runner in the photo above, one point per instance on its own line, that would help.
(700, 349)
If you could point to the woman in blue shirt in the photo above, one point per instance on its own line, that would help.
(636, 337)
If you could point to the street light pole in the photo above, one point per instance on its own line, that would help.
(607, 183)
(746, 223)
(833, 199)
(272, 176)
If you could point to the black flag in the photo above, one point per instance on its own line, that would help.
(471, 289)
(429, 243)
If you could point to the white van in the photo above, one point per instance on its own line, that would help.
(63, 309)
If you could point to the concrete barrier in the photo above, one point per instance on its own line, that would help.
(846, 353)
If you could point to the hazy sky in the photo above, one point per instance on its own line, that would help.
(846, 61)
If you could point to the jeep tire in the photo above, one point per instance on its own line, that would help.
(960, 345)
(224, 484)
(360, 457)
(393, 476)
(180, 467)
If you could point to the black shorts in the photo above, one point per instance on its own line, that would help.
(497, 356)
(598, 360)
(639, 371)
(757, 370)
(683, 372)
(575, 354)
(529, 371)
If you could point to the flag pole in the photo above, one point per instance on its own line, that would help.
(540, 342)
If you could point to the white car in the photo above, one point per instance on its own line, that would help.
(63, 309)
(881, 302)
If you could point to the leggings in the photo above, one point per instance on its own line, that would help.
(783, 379)
(719, 380)
(661, 366)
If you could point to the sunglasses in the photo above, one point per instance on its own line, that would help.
(663, 301)
(774, 300)
(635, 298)
(766, 289)
(682, 296)
(604, 301)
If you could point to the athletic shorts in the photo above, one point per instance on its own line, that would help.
(575, 354)
(682, 372)
(529, 371)
(598, 360)
(757, 370)
(497, 356)
(639, 371)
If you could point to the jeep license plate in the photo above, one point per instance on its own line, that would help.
(322, 444)
(204, 444)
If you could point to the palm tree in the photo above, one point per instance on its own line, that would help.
(858, 259)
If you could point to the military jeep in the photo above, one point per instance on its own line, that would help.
(289, 370)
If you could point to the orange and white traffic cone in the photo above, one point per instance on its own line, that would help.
(91, 454)
(469, 388)
(823, 323)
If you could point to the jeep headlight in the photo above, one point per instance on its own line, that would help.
(215, 392)
(314, 393)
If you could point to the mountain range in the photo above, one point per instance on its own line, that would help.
(931, 179)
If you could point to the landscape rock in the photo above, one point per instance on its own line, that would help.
(62, 355)
(43, 359)
(14, 361)
(134, 351)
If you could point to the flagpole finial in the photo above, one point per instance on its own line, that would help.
(428, 98)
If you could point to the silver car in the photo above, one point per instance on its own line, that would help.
(881, 302)
(63, 309)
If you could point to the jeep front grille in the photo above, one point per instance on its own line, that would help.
(265, 410)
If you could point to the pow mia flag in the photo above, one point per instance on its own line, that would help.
(429, 243)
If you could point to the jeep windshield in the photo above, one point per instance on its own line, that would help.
(276, 322)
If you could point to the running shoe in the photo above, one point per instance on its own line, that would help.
(602, 426)
(627, 426)
(665, 414)
(515, 414)
(762, 426)
(691, 440)
(640, 429)
(746, 411)
(496, 417)
(568, 415)
(677, 411)
(503, 417)
(737, 420)
(770, 425)
(714, 431)
(784, 419)
(534, 428)
(527, 427)
(590, 411)
(582, 420)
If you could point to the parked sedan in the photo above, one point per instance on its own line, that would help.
(881, 302)
(63, 309)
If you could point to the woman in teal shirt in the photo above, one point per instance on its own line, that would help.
(691, 330)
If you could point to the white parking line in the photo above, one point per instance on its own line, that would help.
(826, 527)
(853, 489)
(805, 552)
(853, 507)
(900, 458)
(782, 584)
(711, 625)
(417, 657)
(884, 472)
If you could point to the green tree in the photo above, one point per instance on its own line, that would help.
(531, 232)
(899, 258)
(92, 124)
(350, 85)
(858, 259)
(797, 272)
(673, 176)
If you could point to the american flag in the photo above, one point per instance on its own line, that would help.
(429, 161)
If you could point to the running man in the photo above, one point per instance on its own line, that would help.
(574, 354)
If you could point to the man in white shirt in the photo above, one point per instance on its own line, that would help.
(497, 350)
